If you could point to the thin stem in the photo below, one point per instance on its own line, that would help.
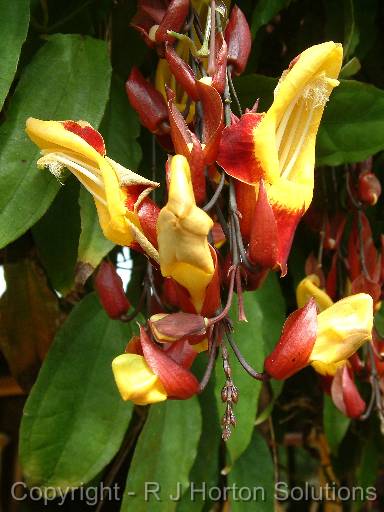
(224, 312)
(233, 90)
(211, 203)
(212, 40)
(211, 361)
(247, 367)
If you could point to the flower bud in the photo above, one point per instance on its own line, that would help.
(109, 288)
(369, 188)
(239, 40)
(345, 394)
(182, 72)
(147, 102)
(171, 327)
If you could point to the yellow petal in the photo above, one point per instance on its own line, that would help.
(310, 287)
(182, 230)
(342, 329)
(285, 138)
(136, 381)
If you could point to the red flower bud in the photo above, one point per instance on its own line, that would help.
(174, 19)
(345, 394)
(148, 103)
(239, 40)
(109, 288)
(295, 345)
(220, 75)
(369, 188)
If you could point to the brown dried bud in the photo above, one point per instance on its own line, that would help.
(175, 326)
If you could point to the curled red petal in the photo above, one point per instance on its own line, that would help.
(182, 72)
(182, 353)
(246, 201)
(220, 75)
(109, 288)
(147, 102)
(241, 164)
(213, 120)
(295, 345)
(177, 381)
(148, 212)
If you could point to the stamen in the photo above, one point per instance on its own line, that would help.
(71, 163)
(296, 153)
(291, 137)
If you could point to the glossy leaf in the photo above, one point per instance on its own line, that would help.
(14, 22)
(352, 126)
(29, 318)
(335, 424)
(264, 11)
(56, 236)
(163, 458)
(251, 87)
(74, 412)
(67, 78)
(253, 472)
(265, 311)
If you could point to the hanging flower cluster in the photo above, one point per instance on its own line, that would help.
(236, 190)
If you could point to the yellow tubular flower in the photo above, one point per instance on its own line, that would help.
(284, 140)
(182, 230)
(341, 330)
(78, 147)
(310, 287)
(136, 381)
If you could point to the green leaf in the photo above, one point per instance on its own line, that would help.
(253, 473)
(93, 245)
(56, 236)
(205, 469)
(120, 127)
(74, 419)
(251, 87)
(349, 69)
(14, 21)
(67, 79)
(265, 310)
(351, 30)
(352, 126)
(163, 457)
(335, 424)
(264, 11)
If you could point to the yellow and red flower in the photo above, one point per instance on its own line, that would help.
(126, 215)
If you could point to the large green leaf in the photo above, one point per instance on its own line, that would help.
(163, 457)
(265, 310)
(206, 466)
(249, 88)
(14, 20)
(56, 236)
(74, 419)
(264, 11)
(353, 124)
(253, 477)
(67, 79)
(335, 424)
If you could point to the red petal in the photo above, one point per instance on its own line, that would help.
(295, 345)
(220, 76)
(246, 201)
(147, 101)
(182, 353)
(286, 222)
(109, 288)
(213, 120)
(89, 134)
(182, 72)
(263, 244)
(241, 163)
(174, 19)
(177, 381)
(148, 212)
(362, 285)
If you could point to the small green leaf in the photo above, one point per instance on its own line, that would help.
(14, 21)
(352, 126)
(67, 79)
(265, 310)
(253, 477)
(163, 458)
(349, 69)
(56, 236)
(74, 412)
(335, 424)
(264, 11)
